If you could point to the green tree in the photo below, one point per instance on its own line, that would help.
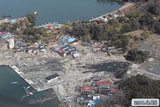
(139, 87)
(157, 27)
(31, 18)
(154, 7)
(146, 19)
(145, 35)
(87, 37)
(126, 28)
(137, 56)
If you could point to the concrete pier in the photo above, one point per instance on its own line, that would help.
(58, 89)
(30, 82)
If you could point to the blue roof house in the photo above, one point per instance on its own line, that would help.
(60, 46)
(98, 100)
(54, 26)
(91, 103)
(4, 36)
(70, 40)
(64, 38)
(13, 21)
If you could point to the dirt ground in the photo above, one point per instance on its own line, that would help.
(153, 46)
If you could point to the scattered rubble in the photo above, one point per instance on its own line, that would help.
(36, 65)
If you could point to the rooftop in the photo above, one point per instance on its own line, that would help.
(106, 82)
(86, 88)
(52, 76)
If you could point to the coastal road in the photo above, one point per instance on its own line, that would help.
(148, 74)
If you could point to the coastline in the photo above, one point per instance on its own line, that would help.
(124, 7)
(55, 88)
(120, 10)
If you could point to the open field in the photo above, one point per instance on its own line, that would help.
(153, 46)
(150, 68)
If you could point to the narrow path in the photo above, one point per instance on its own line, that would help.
(150, 75)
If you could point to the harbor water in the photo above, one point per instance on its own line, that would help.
(12, 92)
(61, 11)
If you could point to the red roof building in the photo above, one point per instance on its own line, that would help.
(86, 88)
(4, 32)
(106, 82)
(56, 31)
(50, 27)
(113, 90)
(60, 51)
(17, 19)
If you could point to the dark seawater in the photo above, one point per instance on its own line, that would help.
(11, 94)
(60, 11)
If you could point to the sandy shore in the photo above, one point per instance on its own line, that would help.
(124, 7)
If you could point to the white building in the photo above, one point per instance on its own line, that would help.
(55, 76)
(11, 43)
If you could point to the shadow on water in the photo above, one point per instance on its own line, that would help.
(110, 1)
(110, 66)
(7, 102)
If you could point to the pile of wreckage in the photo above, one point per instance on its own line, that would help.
(64, 48)
(109, 50)
(21, 47)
